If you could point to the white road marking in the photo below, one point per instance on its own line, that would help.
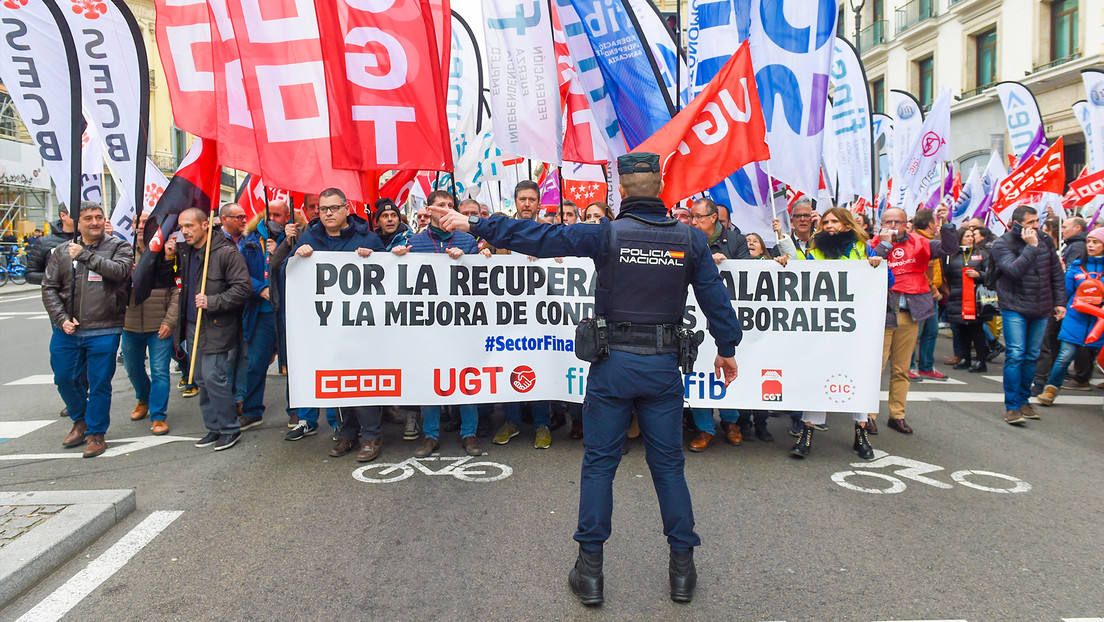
(63, 599)
(990, 398)
(1082, 619)
(36, 379)
(946, 381)
(15, 429)
(997, 379)
(115, 447)
(19, 298)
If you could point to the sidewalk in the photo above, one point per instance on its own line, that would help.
(39, 531)
(11, 289)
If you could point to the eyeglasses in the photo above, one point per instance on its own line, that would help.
(332, 209)
(700, 216)
(239, 217)
(801, 216)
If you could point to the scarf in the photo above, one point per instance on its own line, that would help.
(834, 246)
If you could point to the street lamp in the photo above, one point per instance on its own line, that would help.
(858, 19)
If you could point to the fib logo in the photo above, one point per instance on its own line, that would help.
(772, 385)
(523, 378)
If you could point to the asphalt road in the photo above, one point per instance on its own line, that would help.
(277, 530)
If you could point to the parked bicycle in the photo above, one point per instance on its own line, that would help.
(11, 267)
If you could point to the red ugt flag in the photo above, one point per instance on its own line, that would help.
(718, 133)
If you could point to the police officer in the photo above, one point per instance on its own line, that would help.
(645, 262)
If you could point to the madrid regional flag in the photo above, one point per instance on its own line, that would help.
(717, 133)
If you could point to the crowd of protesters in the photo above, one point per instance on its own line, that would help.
(1037, 288)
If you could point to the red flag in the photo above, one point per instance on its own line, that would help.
(398, 187)
(1087, 187)
(956, 189)
(251, 196)
(385, 85)
(184, 42)
(1046, 174)
(284, 89)
(716, 134)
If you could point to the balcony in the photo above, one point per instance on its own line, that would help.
(1054, 63)
(872, 35)
(978, 91)
(913, 13)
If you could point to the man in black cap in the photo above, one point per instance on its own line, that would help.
(645, 262)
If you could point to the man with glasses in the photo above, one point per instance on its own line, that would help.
(1030, 288)
(723, 244)
(802, 221)
(338, 230)
(910, 300)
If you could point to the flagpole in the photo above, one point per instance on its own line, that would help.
(942, 183)
(452, 184)
(678, 56)
(559, 182)
(774, 208)
(203, 291)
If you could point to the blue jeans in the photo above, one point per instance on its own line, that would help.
(1023, 338)
(703, 418)
(652, 385)
(925, 345)
(154, 392)
(541, 415)
(75, 358)
(260, 350)
(469, 419)
(1066, 353)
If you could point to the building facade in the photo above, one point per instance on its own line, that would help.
(968, 46)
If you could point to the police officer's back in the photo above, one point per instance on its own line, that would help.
(645, 262)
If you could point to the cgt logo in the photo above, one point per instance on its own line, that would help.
(343, 383)
(839, 388)
(523, 378)
(772, 385)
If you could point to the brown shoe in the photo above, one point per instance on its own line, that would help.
(239, 406)
(899, 425)
(954, 360)
(343, 446)
(426, 448)
(576, 429)
(871, 426)
(95, 446)
(369, 450)
(1028, 411)
(471, 445)
(159, 428)
(140, 411)
(701, 442)
(76, 436)
(1014, 417)
(732, 433)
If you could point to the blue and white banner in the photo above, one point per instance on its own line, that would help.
(661, 43)
(973, 193)
(929, 148)
(38, 69)
(1021, 112)
(851, 126)
(92, 166)
(1094, 104)
(791, 48)
(632, 76)
(591, 79)
(908, 117)
(523, 79)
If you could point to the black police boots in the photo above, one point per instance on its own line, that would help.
(862, 444)
(804, 443)
(586, 578)
(683, 576)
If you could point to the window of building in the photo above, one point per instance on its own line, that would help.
(9, 123)
(1063, 28)
(925, 68)
(877, 94)
(841, 32)
(986, 47)
(179, 146)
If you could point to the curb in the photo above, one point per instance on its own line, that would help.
(45, 548)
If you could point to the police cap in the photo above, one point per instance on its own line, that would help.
(639, 162)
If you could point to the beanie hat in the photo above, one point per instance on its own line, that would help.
(1097, 234)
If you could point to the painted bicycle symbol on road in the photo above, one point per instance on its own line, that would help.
(916, 471)
(461, 469)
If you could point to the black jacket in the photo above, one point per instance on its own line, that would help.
(1075, 249)
(91, 288)
(731, 244)
(228, 289)
(976, 258)
(1029, 279)
(36, 257)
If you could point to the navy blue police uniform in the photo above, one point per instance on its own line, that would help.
(645, 261)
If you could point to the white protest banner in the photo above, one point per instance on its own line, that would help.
(426, 329)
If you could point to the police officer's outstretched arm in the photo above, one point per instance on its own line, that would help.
(713, 298)
(530, 237)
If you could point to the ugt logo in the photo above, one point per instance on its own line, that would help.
(90, 8)
(15, 4)
(772, 385)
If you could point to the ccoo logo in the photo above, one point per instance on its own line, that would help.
(523, 378)
(15, 4)
(90, 8)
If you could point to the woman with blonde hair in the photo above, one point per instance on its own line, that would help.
(838, 236)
